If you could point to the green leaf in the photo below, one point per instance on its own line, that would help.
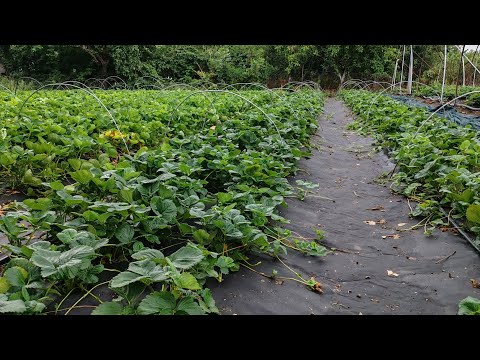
(126, 195)
(164, 207)
(90, 215)
(15, 276)
(41, 204)
(6, 159)
(159, 302)
(464, 145)
(186, 257)
(165, 146)
(209, 301)
(108, 308)
(75, 163)
(56, 185)
(201, 236)
(147, 253)
(125, 233)
(473, 213)
(152, 238)
(189, 306)
(67, 235)
(164, 192)
(469, 306)
(29, 179)
(82, 176)
(184, 168)
(225, 263)
(12, 306)
(4, 285)
(224, 197)
(125, 278)
(185, 228)
(186, 281)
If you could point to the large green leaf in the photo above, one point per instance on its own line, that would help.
(143, 270)
(160, 302)
(125, 233)
(186, 281)
(67, 235)
(189, 306)
(224, 197)
(12, 306)
(4, 285)
(38, 204)
(164, 207)
(65, 264)
(82, 176)
(469, 306)
(209, 301)
(125, 278)
(108, 308)
(148, 254)
(473, 213)
(126, 195)
(186, 257)
(15, 276)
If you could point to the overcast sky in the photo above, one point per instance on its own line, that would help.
(470, 47)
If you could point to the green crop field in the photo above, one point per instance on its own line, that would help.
(171, 187)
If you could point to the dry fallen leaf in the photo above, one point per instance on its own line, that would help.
(370, 222)
(213, 127)
(391, 236)
(475, 283)
(401, 224)
(391, 273)
(4, 207)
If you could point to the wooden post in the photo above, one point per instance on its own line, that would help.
(444, 72)
(458, 77)
(473, 62)
(394, 79)
(410, 72)
(401, 74)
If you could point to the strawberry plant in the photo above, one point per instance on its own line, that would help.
(181, 192)
(438, 161)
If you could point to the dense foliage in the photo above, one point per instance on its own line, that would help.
(275, 64)
(197, 189)
(449, 93)
(438, 163)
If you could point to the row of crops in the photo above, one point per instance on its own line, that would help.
(160, 190)
(437, 161)
(450, 92)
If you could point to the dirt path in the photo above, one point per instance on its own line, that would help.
(355, 282)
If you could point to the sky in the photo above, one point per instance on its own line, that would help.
(470, 47)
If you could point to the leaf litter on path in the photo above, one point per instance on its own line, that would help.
(391, 273)
(375, 222)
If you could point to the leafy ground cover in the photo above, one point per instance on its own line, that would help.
(183, 189)
(438, 162)
(449, 92)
